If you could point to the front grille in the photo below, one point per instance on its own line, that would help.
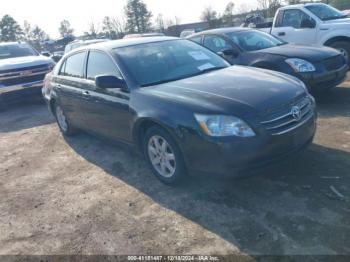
(22, 80)
(334, 63)
(24, 72)
(36, 67)
(283, 121)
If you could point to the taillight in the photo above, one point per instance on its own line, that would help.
(46, 81)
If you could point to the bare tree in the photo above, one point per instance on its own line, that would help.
(65, 29)
(93, 32)
(113, 28)
(227, 16)
(119, 25)
(269, 6)
(160, 24)
(27, 31)
(209, 15)
(244, 8)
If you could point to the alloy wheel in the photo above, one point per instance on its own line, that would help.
(161, 156)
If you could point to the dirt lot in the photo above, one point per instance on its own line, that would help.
(84, 196)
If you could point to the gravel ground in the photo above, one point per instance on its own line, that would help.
(83, 195)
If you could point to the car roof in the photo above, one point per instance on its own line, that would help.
(110, 45)
(300, 5)
(223, 30)
(12, 43)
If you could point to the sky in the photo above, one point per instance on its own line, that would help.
(47, 14)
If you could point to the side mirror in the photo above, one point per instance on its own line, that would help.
(46, 54)
(307, 23)
(107, 81)
(228, 52)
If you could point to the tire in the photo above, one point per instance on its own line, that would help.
(159, 158)
(62, 121)
(343, 47)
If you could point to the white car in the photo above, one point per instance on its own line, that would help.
(313, 24)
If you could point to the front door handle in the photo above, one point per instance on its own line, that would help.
(58, 86)
(281, 33)
(86, 93)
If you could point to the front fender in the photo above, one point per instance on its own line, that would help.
(172, 118)
(336, 33)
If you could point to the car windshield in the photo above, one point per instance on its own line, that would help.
(12, 51)
(254, 40)
(166, 61)
(325, 12)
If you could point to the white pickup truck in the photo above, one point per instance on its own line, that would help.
(312, 24)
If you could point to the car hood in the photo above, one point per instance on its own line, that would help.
(309, 53)
(237, 89)
(22, 62)
(345, 21)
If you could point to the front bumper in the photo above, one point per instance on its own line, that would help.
(25, 92)
(230, 155)
(321, 81)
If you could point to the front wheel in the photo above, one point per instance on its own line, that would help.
(344, 48)
(164, 156)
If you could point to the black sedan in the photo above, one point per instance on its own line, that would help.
(320, 68)
(181, 104)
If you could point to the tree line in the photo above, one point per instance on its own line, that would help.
(136, 19)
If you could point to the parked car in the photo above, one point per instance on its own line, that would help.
(22, 71)
(78, 43)
(56, 56)
(46, 53)
(313, 24)
(143, 35)
(320, 68)
(181, 104)
(187, 32)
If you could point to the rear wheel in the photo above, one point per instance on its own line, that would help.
(62, 121)
(344, 48)
(164, 156)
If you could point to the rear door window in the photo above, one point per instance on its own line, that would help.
(74, 66)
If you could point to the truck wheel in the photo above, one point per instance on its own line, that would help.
(344, 48)
(164, 156)
(62, 121)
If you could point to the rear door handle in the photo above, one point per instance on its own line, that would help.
(281, 33)
(58, 86)
(86, 93)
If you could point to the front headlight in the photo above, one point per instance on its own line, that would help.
(300, 65)
(221, 125)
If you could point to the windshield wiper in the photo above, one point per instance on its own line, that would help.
(207, 70)
(161, 82)
(182, 77)
(211, 69)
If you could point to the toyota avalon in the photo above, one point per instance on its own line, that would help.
(181, 104)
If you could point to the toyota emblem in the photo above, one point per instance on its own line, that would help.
(296, 113)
